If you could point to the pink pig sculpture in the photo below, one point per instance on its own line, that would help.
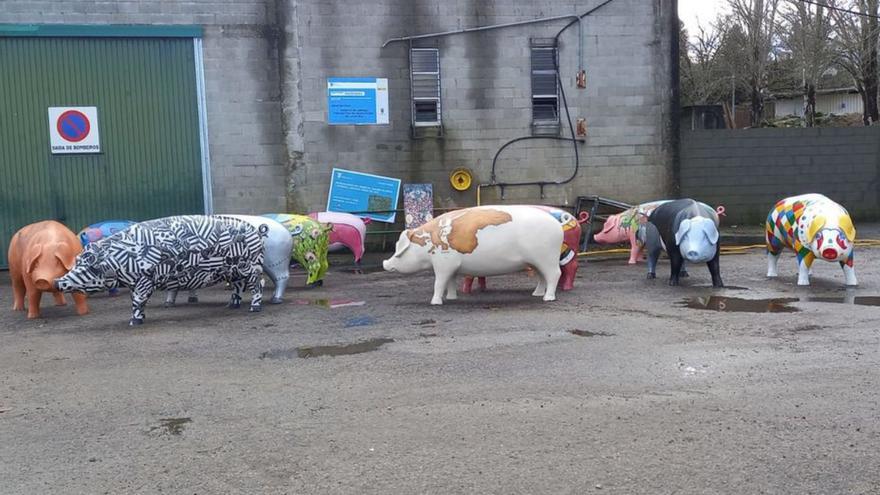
(571, 239)
(348, 231)
(623, 226)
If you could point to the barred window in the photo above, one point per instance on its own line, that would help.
(425, 84)
(545, 87)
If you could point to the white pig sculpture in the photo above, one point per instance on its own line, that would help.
(482, 241)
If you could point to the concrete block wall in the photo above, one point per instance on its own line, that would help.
(486, 97)
(242, 86)
(748, 170)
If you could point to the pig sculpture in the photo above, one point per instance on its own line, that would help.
(276, 257)
(100, 230)
(623, 227)
(571, 232)
(38, 254)
(687, 230)
(349, 231)
(814, 227)
(180, 252)
(310, 241)
(482, 241)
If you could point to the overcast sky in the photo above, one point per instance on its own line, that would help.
(704, 11)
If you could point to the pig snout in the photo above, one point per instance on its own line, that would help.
(829, 254)
(693, 254)
(43, 284)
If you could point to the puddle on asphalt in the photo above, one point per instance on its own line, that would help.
(360, 321)
(727, 287)
(171, 426)
(343, 349)
(740, 305)
(587, 333)
(860, 300)
(329, 303)
(775, 305)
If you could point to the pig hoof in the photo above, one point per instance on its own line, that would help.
(276, 300)
(233, 305)
(135, 322)
(436, 302)
(549, 298)
(256, 309)
(315, 285)
(673, 282)
(719, 285)
(684, 274)
(32, 316)
(169, 304)
(192, 299)
(652, 276)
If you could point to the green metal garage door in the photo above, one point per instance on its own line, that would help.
(147, 98)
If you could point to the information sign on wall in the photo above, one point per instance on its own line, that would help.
(357, 101)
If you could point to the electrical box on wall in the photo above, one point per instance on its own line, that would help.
(581, 79)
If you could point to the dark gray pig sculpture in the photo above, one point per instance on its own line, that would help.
(687, 230)
(173, 253)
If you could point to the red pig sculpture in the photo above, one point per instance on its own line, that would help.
(38, 254)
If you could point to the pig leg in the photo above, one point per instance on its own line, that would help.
(715, 268)
(170, 298)
(481, 283)
(140, 294)
(34, 296)
(193, 297)
(634, 248)
(237, 288)
(849, 272)
(451, 293)
(79, 300)
(441, 282)
(256, 283)
(279, 275)
(683, 273)
(550, 273)
(541, 289)
(675, 260)
(59, 299)
(804, 265)
(653, 256)
(18, 291)
(569, 272)
(772, 262)
(467, 284)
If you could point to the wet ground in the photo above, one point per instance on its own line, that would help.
(624, 385)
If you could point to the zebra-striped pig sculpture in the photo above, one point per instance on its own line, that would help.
(173, 253)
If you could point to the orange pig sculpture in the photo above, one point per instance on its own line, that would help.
(38, 254)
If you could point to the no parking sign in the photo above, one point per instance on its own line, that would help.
(74, 130)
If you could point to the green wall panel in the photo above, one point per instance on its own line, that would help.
(150, 160)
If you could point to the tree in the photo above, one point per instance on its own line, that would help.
(808, 35)
(757, 20)
(856, 37)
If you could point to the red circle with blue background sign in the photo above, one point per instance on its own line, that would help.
(73, 126)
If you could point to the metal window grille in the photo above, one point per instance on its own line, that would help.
(545, 87)
(425, 84)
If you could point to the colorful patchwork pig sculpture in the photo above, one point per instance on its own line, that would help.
(180, 252)
(310, 241)
(482, 241)
(277, 246)
(349, 231)
(814, 227)
(38, 254)
(687, 230)
(571, 231)
(623, 227)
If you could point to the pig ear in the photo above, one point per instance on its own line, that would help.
(815, 226)
(711, 233)
(683, 228)
(34, 255)
(68, 262)
(847, 226)
(402, 243)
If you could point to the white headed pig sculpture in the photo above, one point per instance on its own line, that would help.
(814, 227)
(482, 241)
